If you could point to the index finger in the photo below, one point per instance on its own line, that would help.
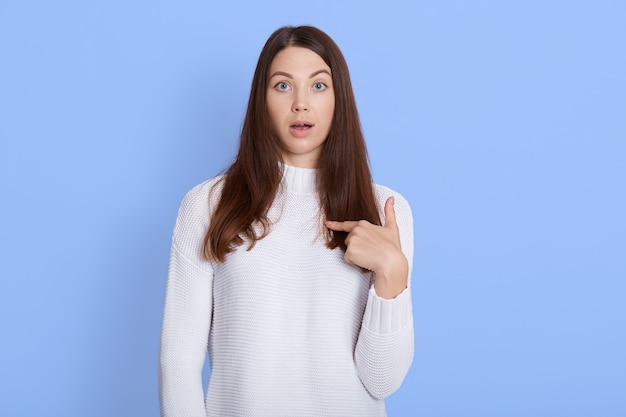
(346, 226)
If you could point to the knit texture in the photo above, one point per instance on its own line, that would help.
(290, 327)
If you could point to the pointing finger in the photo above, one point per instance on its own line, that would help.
(341, 226)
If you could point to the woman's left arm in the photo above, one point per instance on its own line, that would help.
(384, 350)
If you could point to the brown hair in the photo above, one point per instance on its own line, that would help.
(344, 181)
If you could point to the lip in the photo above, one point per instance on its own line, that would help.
(301, 128)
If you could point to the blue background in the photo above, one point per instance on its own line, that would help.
(502, 122)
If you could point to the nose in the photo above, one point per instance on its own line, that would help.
(300, 102)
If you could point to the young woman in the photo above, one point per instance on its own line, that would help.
(293, 268)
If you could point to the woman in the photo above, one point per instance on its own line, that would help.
(282, 267)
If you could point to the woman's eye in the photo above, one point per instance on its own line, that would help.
(319, 86)
(282, 86)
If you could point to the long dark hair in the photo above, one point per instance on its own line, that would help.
(344, 181)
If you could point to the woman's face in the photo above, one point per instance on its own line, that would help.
(301, 104)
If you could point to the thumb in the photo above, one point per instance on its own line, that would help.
(390, 214)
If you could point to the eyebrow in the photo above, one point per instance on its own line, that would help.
(285, 74)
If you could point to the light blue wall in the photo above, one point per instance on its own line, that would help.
(502, 122)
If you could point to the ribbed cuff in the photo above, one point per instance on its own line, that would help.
(388, 316)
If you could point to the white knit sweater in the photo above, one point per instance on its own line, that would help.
(291, 328)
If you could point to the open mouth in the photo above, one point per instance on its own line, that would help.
(301, 126)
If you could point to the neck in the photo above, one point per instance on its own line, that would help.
(299, 180)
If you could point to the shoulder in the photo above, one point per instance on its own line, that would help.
(201, 193)
(197, 204)
(404, 216)
(382, 193)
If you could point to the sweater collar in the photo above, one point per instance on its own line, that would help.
(299, 180)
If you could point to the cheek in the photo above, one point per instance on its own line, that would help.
(330, 111)
(276, 108)
(273, 113)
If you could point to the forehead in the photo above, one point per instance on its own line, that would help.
(297, 60)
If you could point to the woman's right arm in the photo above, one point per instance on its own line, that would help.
(187, 312)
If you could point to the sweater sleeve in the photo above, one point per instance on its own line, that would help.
(384, 350)
(187, 312)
